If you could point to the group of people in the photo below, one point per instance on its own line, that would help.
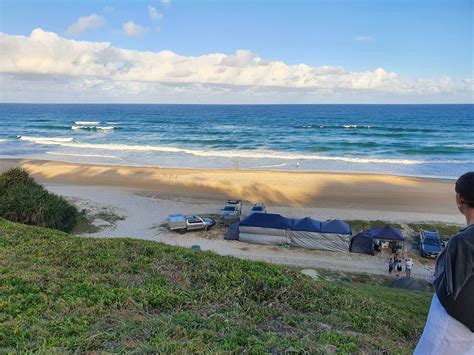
(395, 263)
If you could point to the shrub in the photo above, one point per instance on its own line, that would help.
(24, 200)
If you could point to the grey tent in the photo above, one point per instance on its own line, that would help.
(274, 229)
(265, 228)
(232, 232)
(333, 235)
(363, 242)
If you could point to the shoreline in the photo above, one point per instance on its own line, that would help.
(278, 188)
(265, 169)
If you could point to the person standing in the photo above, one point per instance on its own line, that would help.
(399, 267)
(408, 266)
(449, 328)
(390, 266)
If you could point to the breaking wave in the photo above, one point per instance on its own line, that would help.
(249, 154)
(95, 128)
(85, 155)
(46, 140)
(87, 122)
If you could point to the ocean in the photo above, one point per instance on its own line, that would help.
(414, 140)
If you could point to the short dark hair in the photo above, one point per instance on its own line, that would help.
(465, 188)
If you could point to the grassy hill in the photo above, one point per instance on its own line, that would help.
(60, 292)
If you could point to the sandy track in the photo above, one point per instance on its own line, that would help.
(145, 212)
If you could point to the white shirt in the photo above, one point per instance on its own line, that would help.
(443, 334)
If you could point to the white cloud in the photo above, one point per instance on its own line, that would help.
(85, 23)
(363, 38)
(98, 70)
(132, 29)
(154, 14)
(166, 3)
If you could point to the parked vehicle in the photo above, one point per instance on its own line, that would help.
(181, 223)
(430, 244)
(231, 212)
(232, 208)
(258, 208)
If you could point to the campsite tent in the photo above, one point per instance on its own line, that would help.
(363, 242)
(274, 229)
(265, 228)
(232, 232)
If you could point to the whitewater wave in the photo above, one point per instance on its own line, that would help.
(467, 145)
(249, 154)
(243, 154)
(46, 140)
(85, 155)
(87, 122)
(355, 126)
(94, 128)
(5, 140)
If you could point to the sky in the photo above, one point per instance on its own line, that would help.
(183, 51)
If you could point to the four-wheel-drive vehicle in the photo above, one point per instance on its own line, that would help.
(430, 244)
(232, 208)
(181, 223)
(258, 208)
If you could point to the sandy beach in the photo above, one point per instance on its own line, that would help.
(144, 196)
(430, 197)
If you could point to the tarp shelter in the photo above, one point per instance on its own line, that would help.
(274, 229)
(232, 232)
(363, 242)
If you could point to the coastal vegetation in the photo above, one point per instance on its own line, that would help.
(59, 292)
(23, 200)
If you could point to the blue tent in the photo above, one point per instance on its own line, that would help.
(335, 226)
(386, 233)
(306, 224)
(274, 229)
(363, 242)
(267, 220)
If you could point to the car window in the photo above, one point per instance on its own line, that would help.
(432, 242)
(229, 208)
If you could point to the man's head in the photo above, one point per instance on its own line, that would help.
(465, 193)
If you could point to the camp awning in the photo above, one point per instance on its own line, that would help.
(386, 233)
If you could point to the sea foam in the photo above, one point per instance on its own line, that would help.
(249, 154)
(84, 155)
(46, 140)
(94, 128)
(87, 122)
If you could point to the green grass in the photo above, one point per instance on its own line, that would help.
(64, 293)
(446, 230)
(358, 225)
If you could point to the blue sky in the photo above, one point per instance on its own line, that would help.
(413, 38)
